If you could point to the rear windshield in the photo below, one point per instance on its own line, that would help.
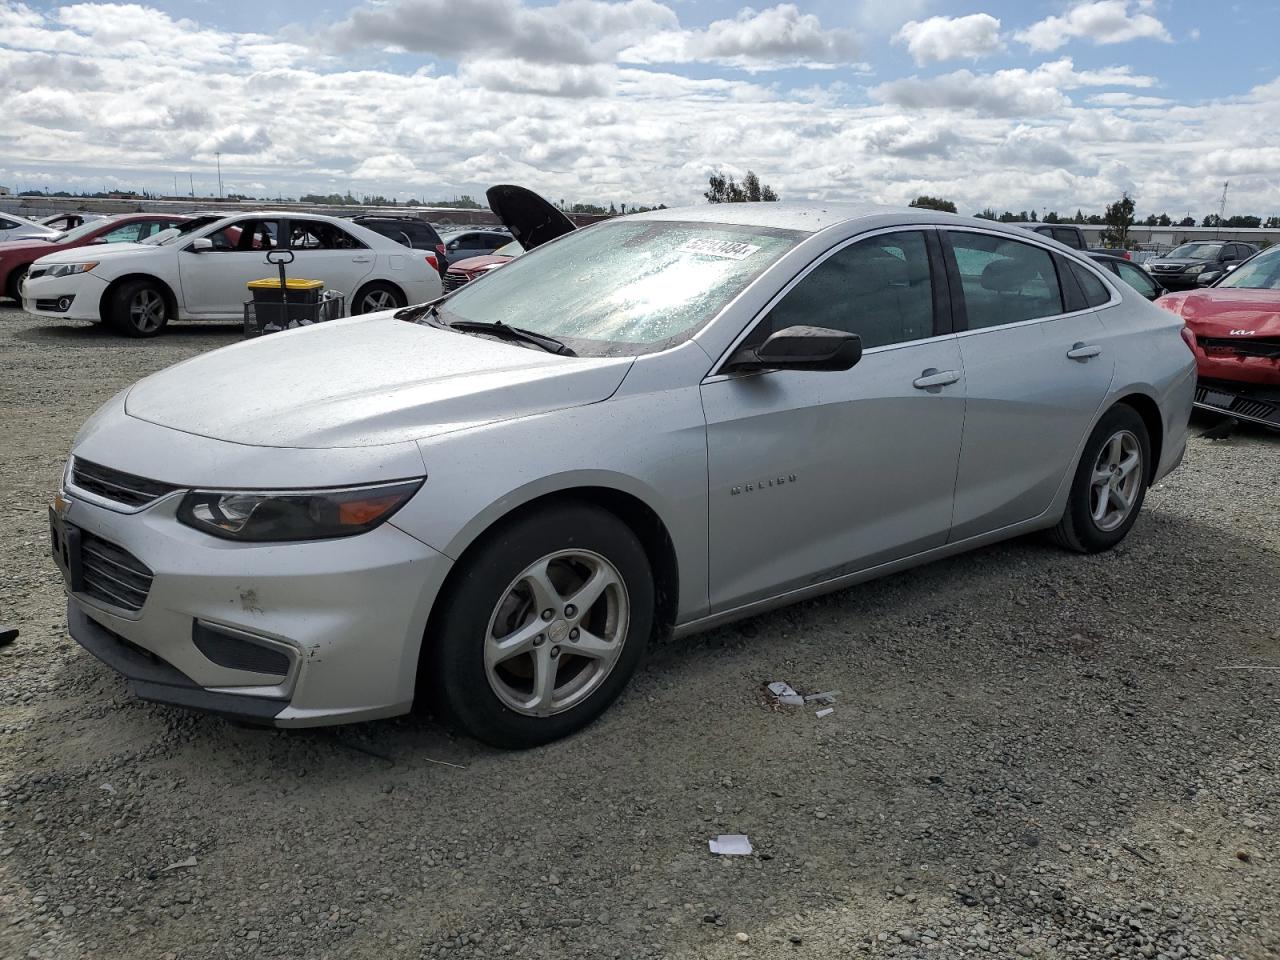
(624, 287)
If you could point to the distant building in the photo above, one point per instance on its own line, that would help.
(5, 191)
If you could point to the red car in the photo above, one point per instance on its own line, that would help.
(16, 256)
(1236, 327)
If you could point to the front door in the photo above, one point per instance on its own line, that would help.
(214, 281)
(1036, 375)
(813, 475)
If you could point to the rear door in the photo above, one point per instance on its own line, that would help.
(1036, 367)
(814, 475)
(213, 282)
(324, 251)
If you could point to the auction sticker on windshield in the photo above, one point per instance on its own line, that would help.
(727, 249)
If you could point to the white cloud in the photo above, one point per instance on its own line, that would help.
(1005, 93)
(767, 39)
(1102, 21)
(951, 38)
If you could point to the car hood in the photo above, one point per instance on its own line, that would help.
(101, 251)
(531, 219)
(27, 245)
(1219, 311)
(472, 264)
(365, 381)
(1177, 262)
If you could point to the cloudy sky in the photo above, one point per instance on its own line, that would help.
(1019, 104)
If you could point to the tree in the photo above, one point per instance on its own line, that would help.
(987, 214)
(1243, 221)
(1150, 221)
(1118, 218)
(1052, 217)
(1187, 222)
(726, 190)
(926, 202)
(1079, 217)
(1164, 221)
(1272, 223)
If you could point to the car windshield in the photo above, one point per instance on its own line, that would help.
(626, 287)
(1260, 273)
(512, 249)
(1197, 251)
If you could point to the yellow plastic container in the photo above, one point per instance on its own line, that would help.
(273, 283)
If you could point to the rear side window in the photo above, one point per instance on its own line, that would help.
(410, 233)
(1004, 280)
(319, 235)
(1094, 290)
(1137, 278)
(6, 224)
(879, 288)
(1070, 237)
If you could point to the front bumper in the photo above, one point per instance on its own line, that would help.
(329, 631)
(43, 296)
(1250, 402)
(1176, 280)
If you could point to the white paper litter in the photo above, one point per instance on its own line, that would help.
(189, 862)
(785, 694)
(827, 711)
(731, 845)
(828, 697)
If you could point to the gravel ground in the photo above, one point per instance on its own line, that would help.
(1034, 754)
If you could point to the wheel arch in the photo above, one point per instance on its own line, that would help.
(170, 299)
(1149, 411)
(642, 519)
(367, 283)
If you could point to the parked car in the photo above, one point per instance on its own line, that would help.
(489, 504)
(527, 216)
(69, 221)
(413, 232)
(1181, 268)
(1130, 273)
(1072, 236)
(14, 227)
(463, 244)
(1236, 327)
(200, 273)
(16, 256)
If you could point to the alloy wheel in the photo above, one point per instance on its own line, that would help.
(1116, 480)
(376, 300)
(146, 311)
(556, 633)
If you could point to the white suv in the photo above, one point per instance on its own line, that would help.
(199, 271)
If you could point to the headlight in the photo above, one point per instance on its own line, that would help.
(67, 269)
(1196, 268)
(277, 515)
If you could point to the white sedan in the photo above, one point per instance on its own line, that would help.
(14, 227)
(200, 271)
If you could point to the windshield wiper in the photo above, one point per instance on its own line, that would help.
(497, 327)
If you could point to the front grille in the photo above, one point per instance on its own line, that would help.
(1244, 346)
(1255, 408)
(112, 574)
(452, 281)
(116, 485)
(235, 652)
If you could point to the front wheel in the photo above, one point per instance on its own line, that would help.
(377, 296)
(542, 627)
(14, 284)
(138, 309)
(1110, 484)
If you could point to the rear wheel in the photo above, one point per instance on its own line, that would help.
(13, 285)
(543, 626)
(1110, 484)
(376, 296)
(138, 309)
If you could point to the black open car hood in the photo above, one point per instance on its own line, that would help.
(531, 219)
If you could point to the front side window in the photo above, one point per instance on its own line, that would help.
(129, 233)
(879, 288)
(624, 287)
(246, 235)
(1004, 280)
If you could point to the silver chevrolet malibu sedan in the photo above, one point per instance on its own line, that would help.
(488, 505)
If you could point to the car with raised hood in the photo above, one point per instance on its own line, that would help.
(487, 505)
(16, 256)
(1235, 327)
(199, 272)
(1182, 267)
(529, 218)
(14, 227)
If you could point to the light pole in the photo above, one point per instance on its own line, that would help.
(219, 158)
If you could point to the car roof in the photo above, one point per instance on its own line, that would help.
(459, 231)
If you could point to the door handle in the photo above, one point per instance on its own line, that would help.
(362, 259)
(1083, 351)
(933, 377)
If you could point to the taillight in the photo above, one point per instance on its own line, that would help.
(431, 259)
(1188, 338)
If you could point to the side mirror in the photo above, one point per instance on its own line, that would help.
(801, 348)
(1231, 266)
(200, 245)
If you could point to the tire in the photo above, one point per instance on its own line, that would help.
(137, 308)
(375, 296)
(490, 691)
(1088, 525)
(15, 282)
